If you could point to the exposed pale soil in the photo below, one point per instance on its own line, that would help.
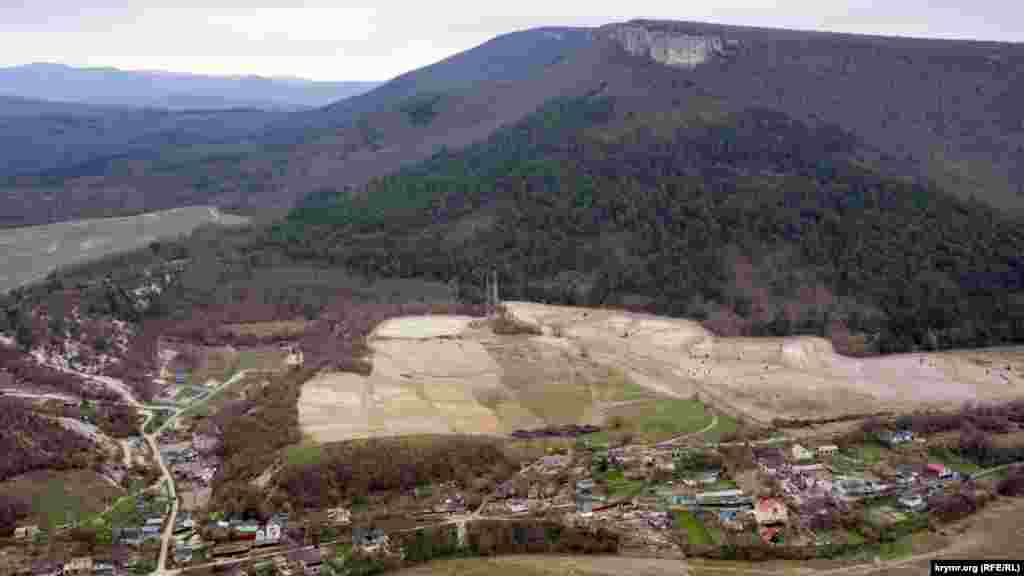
(765, 378)
(451, 374)
(32, 252)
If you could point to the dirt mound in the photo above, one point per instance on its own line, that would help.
(808, 353)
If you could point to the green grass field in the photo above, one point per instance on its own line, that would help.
(620, 487)
(716, 534)
(867, 453)
(726, 425)
(617, 387)
(662, 419)
(696, 532)
(63, 497)
(303, 454)
(951, 460)
(264, 359)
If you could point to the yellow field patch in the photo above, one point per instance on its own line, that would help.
(279, 329)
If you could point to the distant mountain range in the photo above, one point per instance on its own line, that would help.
(170, 90)
(39, 136)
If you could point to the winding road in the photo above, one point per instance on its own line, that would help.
(151, 439)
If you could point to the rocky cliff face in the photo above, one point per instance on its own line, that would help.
(670, 47)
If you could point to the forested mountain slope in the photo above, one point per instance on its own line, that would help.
(937, 109)
(750, 219)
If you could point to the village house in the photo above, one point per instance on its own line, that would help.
(891, 438)
(940, 471)
(807, 468)
(799, 453)
(770, 534)
(182, 555)
(666, 465)
(726, 498)
(517, 506)
(678, 500)
(310, 561)
(82, 565)
(658, 520)
(905, 475)
(505, 490)
(456, 505)
(585, 503)
(339, 515)
(849, 488)
(827, 450)
(268, 534)
(912, 502)
(554, 462)
(178, 368)
(770, 460)
(709, 477)
(184, 523)
(585, 486)
(282, 566)
(370, 539)
(294, 356)
(26, 532)
(732, 519)
(770, 511)
(244, 532)
(103, 569)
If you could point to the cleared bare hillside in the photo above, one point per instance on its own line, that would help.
(30, 253)
(453, 375)
(766, 378)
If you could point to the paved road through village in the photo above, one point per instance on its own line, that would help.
(151, 440)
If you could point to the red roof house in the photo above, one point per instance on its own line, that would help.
(770, 511)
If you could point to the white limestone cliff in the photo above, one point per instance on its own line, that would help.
(671, 48)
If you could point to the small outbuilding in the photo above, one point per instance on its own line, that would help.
(828, 450)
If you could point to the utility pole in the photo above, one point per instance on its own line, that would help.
(494, 286)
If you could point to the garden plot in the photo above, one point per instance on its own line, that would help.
(450, 375)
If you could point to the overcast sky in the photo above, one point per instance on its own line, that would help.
(377, 40)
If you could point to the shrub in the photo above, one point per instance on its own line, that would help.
(12, 509)
(1013, 483)
(503, 323)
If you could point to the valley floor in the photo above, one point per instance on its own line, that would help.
(30, 253)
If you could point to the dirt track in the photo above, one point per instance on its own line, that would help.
(765, 378)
